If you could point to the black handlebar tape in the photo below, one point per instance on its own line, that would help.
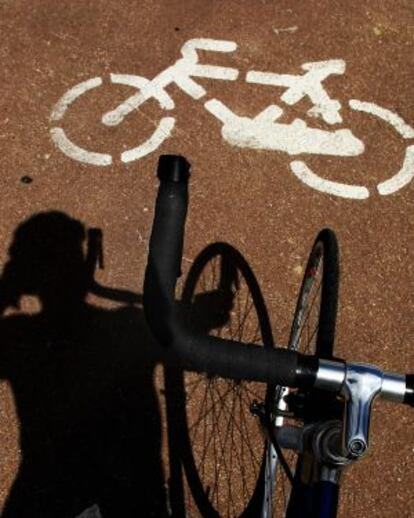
(216, 356)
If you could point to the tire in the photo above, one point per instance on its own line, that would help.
(325, 252)
(222, 444)
(312, 332)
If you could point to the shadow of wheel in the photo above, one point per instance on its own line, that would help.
(213, 433)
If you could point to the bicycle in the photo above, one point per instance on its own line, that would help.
(264, 131)
(312, 408)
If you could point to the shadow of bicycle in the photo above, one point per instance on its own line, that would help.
(215, 443)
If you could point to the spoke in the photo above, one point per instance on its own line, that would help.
(243, 441)
(206, 442)
(193, 383)
(232, 445)
(316, 294)
(215, 457)
(248, 309)
(303, 324)
(222, 457)
(311, 338)
(257, 338)
(200, 414)
(239, 429)
(203, 416)
(246, 387)
(242, 464)
(240, 329)
(250, 448)
(211, 437)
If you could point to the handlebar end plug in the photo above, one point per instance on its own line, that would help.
(173, 168)
(409, 394)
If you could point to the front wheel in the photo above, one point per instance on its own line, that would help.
(312, 333)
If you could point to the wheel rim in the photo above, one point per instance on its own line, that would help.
(305, 327)
(312, 332)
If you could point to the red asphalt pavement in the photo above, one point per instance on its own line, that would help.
(243, 193)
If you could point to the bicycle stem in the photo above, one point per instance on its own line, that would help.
(360, 384)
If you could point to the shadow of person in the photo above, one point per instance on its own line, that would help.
(82, 379)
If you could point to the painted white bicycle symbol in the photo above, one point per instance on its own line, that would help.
(260, 132)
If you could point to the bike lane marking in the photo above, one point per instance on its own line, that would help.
(402, 178)
(162, 132)
(180, 73)
(166, 124)
(71, 95)
(262, 132)
(308, 177)
(225, 165)
(76, 152)
(400, 126)
(308, 84)
(58, 134)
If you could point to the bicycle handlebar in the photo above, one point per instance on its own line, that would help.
(216, 356)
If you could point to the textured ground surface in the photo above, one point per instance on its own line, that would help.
(248, 197)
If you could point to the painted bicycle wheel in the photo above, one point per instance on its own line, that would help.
(223, 446)
(313, 333)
